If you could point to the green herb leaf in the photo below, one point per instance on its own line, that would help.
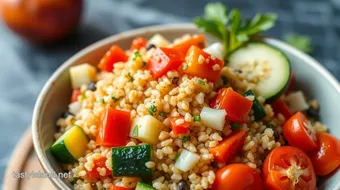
(201, 82)
(83, 96)
(102, 101)
(152, 109)
(74, 181)
(216, 11)
(197, 118)
(235, 18)
(136, 55)
(185, 139)
(260, 23)
(301, 42)
(115, 99)
(131, 78)
(162, 113)
(235, 126)
(177, 156)
(135, 130)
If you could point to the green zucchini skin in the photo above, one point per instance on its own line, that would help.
(61, 153)
(130, 161)
(144, 186)
(259, 112)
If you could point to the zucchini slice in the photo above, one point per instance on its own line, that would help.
(259, 112)
(70, 146)
(144, 186)
(273, 85)
(130, 161)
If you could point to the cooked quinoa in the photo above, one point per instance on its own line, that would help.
(132, 87)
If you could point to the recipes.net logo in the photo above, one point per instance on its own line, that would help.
(39, 174)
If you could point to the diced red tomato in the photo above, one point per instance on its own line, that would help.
(114, 55)
(201, 64)
(75, 93)
(117, 188)
(198, 41)
(228, 148)
(179, 127)
(327, 157)
(280, 107)
(297, 132)
(138, 43)
(291, 82)
(164, 60)
(236, 105)
(114, 128)
(98, 163)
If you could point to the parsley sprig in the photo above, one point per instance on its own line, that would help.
(230, 28)
(301, 42)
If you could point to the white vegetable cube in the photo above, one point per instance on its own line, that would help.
(159, 41)
(74, 107)
(146, 129)
(296, 101)
(187, 160)
(215, 49)
(213, 118)
(82, 74)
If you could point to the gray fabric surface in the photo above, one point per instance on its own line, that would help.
(25, 68)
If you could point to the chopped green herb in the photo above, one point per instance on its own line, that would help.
(185, 139)
(301, 42)
(152, 109)
(144, 64)
(185, 66)
(201, 82)
(162, 113)
(235, 126)
(177, 156)
(83, 96)
(225, 80)
(102, 101)
(201, 45)
(74, 181)
(131, 78)
(136, 56)
(115, 99)
(135, 130)
(197, 118)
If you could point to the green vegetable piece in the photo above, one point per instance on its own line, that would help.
(259, 112)
(197, 118)
(83, 96)
(301, 42)
(136, 55)
(114, 98)
(130, 161)
(235, 126)
(152, 109)
(162, 113)
(185, 139)
(135, 131)
(144, 186)
(201, 82)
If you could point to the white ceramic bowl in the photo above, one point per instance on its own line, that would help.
(311, 77)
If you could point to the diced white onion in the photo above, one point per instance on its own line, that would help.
(215, 49)
(74, 107)
(213, 118)
(187, 160)
(159, 41)
(296, 101)
(82, 74)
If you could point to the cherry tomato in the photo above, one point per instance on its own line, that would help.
(299, 133)
(138, 43)
(237, 176)
(229, 147)
(288, 167)
(94, 174)
(327, 157)
(114, 55)
(75, 93)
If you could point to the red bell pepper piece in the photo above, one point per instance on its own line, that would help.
(198, 41)
(280, 107)
(236, 106)
(229, 147)
(164, 60)
(94, 174)
(114, 129)
(117, 188)
(75, 93)
(177, 128)
(114, 55)
(138, 43)
(201, 64)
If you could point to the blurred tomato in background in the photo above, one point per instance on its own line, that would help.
(41, 21)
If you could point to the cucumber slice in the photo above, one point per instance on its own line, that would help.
(70, 146)
(144, 186)
(259, 112)
(130, 161)
(274, 85)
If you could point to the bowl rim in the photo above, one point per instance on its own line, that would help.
(156, 28)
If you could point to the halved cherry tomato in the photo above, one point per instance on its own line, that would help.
(280, 107)
(327, 157)
(287, 167)
(117, 188)
(114, 55)
(236, 105)
(201, 64)
(164, 60)
(138, 43)
(179, 127)
(237, 176)
(98, 163)
(228, 148)
(299, 133)
(198, 41)
(114, 128)
(75, 93)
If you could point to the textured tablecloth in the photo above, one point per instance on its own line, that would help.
(24, 68)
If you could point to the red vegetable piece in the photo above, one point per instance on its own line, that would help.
(138, 43)
(114, 55)
(280, 107)
(179, 127)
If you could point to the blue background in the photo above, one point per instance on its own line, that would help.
(25, 68)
